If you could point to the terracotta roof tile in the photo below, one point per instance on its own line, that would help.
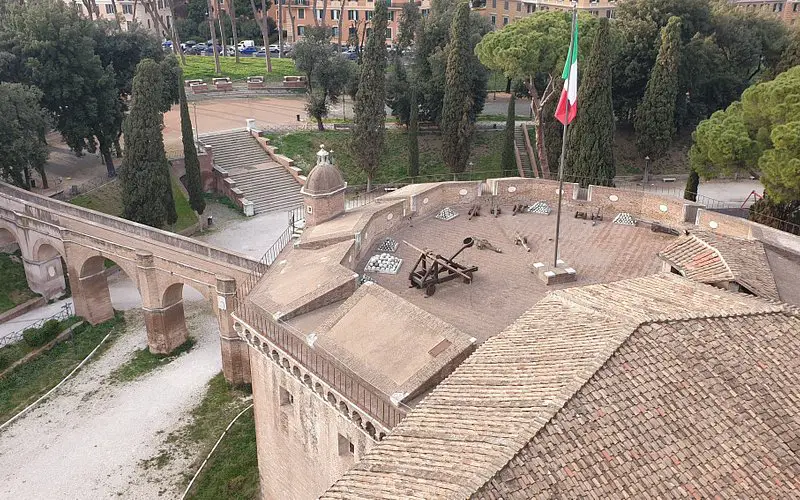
(489, 408)
(711, 257)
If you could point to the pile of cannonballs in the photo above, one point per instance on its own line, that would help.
(388, 245)
(447, 213)
(540, 207)
(625, 219)
(365, 278)
(383, 263)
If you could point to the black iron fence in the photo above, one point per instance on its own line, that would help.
(12, 338)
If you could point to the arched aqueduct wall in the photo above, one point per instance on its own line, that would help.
(51, 234)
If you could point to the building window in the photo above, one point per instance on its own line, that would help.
(109, 8)
(127, 9)
(794, 7)
(505, 21)
(168, 25)
(335, 31)
(301, 13)
(494, 4)
(287, 398)
(389, 33)
(505, 5)
(301, 30)
(335, 15)
(778, 7)
(320, 14)
(391, 15)
(369, 15)
(425, 12)
(519, 6)
(148, 24)
(346, 447)
(494, 20)
(352, 15)
(608, 14)
(160, 4)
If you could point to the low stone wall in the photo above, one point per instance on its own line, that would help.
(21, 309)
(280, 159)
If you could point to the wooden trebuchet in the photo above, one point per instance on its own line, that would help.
(474, 211)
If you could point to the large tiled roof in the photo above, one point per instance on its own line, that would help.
(710, 257)
(483, 414)
(699, 408)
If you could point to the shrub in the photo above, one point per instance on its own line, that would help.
(36, 337)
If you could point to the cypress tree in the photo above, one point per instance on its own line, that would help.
(655, 117)
(691, 186)
(369, 128)
(456, 123)
(509, 161)
(146, 189)
(413, 133)
(590, 155)
(194, 183)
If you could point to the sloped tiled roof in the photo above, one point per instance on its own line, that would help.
(483, 414)
(710, 257)
(695, 408)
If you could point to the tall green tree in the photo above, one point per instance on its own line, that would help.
(22, 132)
(194, 183)
(655, 115)
(409, 24)
(398, 90)
(54, 49)
(145, 178)
(430, 59)
(759, 134)
(369, 129)
(457, 125)
(413, 135)
(533, 50)
(692, 185)
(590, 153)
(508, 161)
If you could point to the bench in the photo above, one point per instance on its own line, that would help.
(294, 82)
(342, 126)
(189, 83)
(199, 88)
(668, 179)
(222, 83)
(255, 82)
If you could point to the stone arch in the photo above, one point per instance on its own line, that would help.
(275, 356)
(370, 429)
(9, 240)
(357, 418)
(45, 269)
(296, 372)
(381, 436)
(318, 389)
(169, 320)
(285, 363)
(331, 398)
(343, 408)
(93, 297)
(307, 380)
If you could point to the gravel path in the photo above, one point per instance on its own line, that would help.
(91, 438)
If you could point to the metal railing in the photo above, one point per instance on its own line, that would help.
(14, 337)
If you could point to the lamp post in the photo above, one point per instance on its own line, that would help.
(646, 177)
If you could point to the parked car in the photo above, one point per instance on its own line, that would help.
(196, 49)
(274, 48)
(210, 50)
(248, 51)
(261, 52)
(230, 51)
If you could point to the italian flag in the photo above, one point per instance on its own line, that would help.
(568, 104)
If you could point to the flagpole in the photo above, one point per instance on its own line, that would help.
(564, 140)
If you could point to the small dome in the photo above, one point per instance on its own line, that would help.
(324, 178)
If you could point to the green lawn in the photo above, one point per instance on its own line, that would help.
(108, 199)
(303, 146)
(202, 68)
(13, 285)
(143, 362)
(30, 380)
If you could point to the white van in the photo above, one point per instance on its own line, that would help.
(246, 43)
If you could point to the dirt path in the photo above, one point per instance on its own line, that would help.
(90, 439)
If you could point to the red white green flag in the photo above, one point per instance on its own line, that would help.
(568, 104)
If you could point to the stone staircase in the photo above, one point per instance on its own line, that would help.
(519, 142)
(263, 181)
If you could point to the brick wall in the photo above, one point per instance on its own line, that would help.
(299, 442)
(323, 208)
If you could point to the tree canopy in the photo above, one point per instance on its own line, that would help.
(369, 128)
(762, 130)
(655, 115)
(24, 125)
(457, 124)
